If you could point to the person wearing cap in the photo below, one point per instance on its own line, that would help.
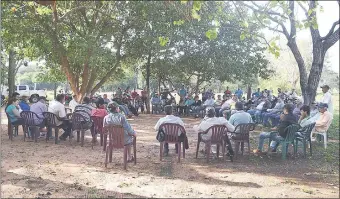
(278, 134)
(209, 121)
(169, 118)
(23, 103)
(116, 118)
(324, 121)
(38, 108)
(327, 98)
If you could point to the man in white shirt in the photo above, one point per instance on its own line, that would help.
(327, 98)
(209, 121)
(73, 103)
(57, 107)
(169, 118)
(209, 102)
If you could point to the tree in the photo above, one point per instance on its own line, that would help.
(281, 12)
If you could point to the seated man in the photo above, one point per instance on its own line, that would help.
(73, 103)
(271, 113)
(38, 108)
(85, 109)
(156, 102)
(240, 117)
(188, 103)
(209, 102)
(169, 118)
(279, 133)
(57, 107)
(196, 106)
(325, 120)
(122, 106)
(218, 103)
(260, 108)
(106, 100)
(23, 103)
(209, 121)
(227, 106)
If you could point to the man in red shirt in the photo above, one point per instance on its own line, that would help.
(134, 94)
(227, 92)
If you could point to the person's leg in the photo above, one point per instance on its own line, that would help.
(229, 147)
(124, 109)
(275, 141)
(251, 111)
(275, 120)
(257, 116)
(67, 127)
(263, 136)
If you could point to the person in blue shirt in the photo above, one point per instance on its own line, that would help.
(23, 103)
(257, 94)
(188, 103)
(239, 93)
(182, 92)
(12, 111)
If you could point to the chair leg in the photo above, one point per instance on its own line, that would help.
(135, 150)
(161, 151)
(183, 150)
(82, 137)
(217, 150)
(78, 136)
(105, 142)
(207, 150)
(304, 148)
(36, 133)
(179, 152)
(125, 156)
(223, 151)
(310, 147)
(284, 151)
(110, 153)
(242, 147)
(237, 146)
(56, 136)
(101, 139)
(198, 146)
(249, 150)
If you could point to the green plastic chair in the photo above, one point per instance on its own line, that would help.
(306, 133)
(290, 138)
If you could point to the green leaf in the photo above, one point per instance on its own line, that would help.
(195, 15)
(184, 2)
(242, 36)
(163, 40)
(277, 54)
(310, 12)
(197, 5)
(211, 34)
(315, 26)
(245, 24)
(179, 22)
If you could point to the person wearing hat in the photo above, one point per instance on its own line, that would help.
(23, 103)
(324, 121)
(209, 121)
(327, 98)
(169, 118)
(116, 118)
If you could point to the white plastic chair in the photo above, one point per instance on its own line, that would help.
(324, 134)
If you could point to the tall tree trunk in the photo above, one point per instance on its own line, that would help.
(197, 85)
(148, 83)
(55, 90)
(159, 84)
(249, 92)
(11, 73)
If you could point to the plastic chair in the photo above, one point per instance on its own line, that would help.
(78, 124)
(116, 140)
(306, 133)
(218, 133)
(12, 129)
(323, 134)
(98, 127)
(241, 136)
(171, 137)
(29, 121)
(51, 120)
(291, 130)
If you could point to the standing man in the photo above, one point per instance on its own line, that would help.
(327, 98)
(182, 92)
(239, 93)
(227, 92)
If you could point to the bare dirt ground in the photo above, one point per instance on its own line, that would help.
(46, 170)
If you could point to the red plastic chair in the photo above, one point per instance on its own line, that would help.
(98, 128)
(171, 137)
(218, 133)
(116, 140)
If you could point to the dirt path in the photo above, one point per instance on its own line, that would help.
(64, 170)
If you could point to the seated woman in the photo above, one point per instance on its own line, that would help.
(12, 110)
(100, 111)
(23, 103)
(116, 118)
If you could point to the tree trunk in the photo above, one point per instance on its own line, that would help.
(159, 85)
(55, 90)
(148, 83)
(11, 73)
(197, 85)
(249, 92)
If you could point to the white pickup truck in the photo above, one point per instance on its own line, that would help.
(31, 92)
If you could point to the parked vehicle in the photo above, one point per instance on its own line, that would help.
(32, 92)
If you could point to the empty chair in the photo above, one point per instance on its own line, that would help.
(116, 141)
(304, 137)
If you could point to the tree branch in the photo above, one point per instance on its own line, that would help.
(331, 30)
(271, 12)
(331, 40)
(292, 21)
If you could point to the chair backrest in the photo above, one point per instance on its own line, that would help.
(98, 123)
(217, 133)
(77, 121)
(171, 131)
(116, 135)
(243, 130)
(307, 130)
(29, 118)
(50, 119)
(291, 130)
